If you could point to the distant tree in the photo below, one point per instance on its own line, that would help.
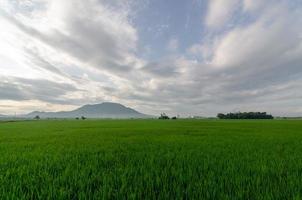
(37, 117)
(221, 116)
(77, 118)
(245, 115)
(83, 118)
(174, 118)
(164, 116)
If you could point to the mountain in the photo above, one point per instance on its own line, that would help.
(103, 110)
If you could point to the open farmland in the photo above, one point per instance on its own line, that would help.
(151, 159)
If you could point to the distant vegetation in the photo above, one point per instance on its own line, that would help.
(245, 115)
(163, 116)
(82, 118)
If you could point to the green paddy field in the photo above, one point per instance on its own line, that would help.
(151, 159)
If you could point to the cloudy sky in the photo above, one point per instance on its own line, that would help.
(193, 57)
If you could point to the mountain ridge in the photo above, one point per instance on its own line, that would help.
(101, 110)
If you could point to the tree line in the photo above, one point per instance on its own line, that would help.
(164, 116)
(245, 115)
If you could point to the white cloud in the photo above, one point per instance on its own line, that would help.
(253, 5)
(220, 11)
(196, 49)
(173, 45)
(95, 37)
(262, 43)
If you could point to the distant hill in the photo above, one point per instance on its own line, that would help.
(103, 110)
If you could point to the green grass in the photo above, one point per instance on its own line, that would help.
(151, 159)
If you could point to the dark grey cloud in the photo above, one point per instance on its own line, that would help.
(11, 91)
(161, 69)
(34, 89)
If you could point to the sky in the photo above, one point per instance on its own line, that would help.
(193, 57)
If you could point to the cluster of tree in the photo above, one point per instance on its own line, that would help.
(83, 118)
(245, 115)
(164, 116)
